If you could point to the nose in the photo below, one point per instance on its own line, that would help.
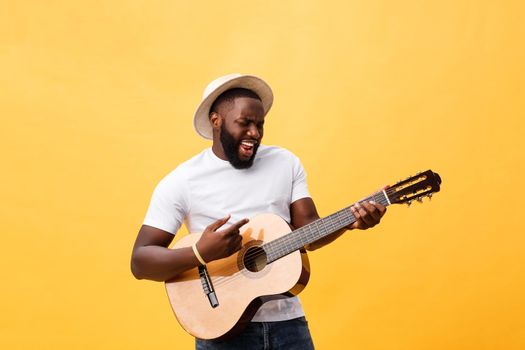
(253, 131)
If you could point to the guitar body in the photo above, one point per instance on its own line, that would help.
(241, 281)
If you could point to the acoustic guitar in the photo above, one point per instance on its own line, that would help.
(217, 300)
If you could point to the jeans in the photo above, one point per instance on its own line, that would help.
(283, 335)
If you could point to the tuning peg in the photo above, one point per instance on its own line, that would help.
(420, 199)
(408, 203)
(429, 196)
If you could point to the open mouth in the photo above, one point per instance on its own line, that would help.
(246, 148)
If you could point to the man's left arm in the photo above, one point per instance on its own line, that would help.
(303, 212)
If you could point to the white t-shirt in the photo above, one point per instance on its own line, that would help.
(207, 188)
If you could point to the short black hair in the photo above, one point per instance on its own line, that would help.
(228, 96)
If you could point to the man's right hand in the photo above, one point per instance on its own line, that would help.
(214, 245)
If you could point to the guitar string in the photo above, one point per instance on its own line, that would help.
(238, 273)
(289, 244)
(285, 242)
(285, 245)
(218, 281)
(328, 220)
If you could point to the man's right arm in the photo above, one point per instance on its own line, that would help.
(152, 259)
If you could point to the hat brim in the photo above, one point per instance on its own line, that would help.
(201, 120)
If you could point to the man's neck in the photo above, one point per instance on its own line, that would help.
(218, 150)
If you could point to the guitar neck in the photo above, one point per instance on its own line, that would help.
(318, 229)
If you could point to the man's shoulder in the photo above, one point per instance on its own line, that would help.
(186, 168)
(195, 161)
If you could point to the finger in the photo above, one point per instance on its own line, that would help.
(373, 211)
(358, 222)
(365, 215)
(234, 229)
(379, 207)
(355, 225)
(215, 225)
(355, 210)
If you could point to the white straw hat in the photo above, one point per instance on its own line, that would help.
(201, 120)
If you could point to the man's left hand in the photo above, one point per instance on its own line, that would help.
(367, 214)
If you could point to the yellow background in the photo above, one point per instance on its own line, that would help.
(96, 101)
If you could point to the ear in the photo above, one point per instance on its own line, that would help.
(216, 120)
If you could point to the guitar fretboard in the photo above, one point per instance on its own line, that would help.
(320, 228)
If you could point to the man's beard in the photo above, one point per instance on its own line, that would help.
(231, 150)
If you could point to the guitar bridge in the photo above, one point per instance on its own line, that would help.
(207, 286)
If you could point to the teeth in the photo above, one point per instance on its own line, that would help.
(248, 143)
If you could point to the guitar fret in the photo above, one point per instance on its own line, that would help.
(338, 219)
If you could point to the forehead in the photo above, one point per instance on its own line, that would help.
(246, 107)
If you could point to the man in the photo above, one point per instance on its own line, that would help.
(216, 192)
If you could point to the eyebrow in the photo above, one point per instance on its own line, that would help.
(250, 118)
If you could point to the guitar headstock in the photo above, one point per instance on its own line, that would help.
(414, 188)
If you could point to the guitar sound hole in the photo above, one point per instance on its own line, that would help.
(255, 259)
